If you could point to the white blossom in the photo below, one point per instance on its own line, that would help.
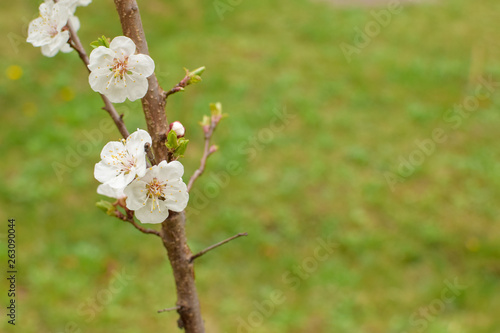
(47, 31)
(122, 161)
(160, 190)
(118, 73)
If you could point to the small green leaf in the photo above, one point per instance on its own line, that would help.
(206, 121)
(172, 140)
(197, 71)
(181, 149)
(101, 41)
(194, 76)
(216, 109)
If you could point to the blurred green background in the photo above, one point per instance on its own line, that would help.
(320, 178)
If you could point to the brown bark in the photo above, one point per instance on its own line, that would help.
(179, 254)
(173, 229)
(153, 103)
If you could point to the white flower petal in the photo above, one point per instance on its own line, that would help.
(120, 181)
(141, 166)
(112, 148)
(115, 91)
(172, 170)
(99, 82)
(136, 141)
(75, 22)
(66, 48)
(141, 63)
(46, 8)
(137, 87)
(122, 46)
(100, 57)
(105, 189)
(136, 194)
(177, 197)
(37, 35)
(145, 215)
(104, 172)
(83, 3)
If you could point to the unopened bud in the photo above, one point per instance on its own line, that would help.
(177, 127)
(216, 109)
(195, 76)
(205, 123)
(213, 149)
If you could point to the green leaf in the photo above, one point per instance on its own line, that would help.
(172, 140)
(216, 109)
(206, 121)
(181, 149)
(101, 41)
(195, 76)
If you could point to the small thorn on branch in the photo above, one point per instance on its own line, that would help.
(199, 254)
(169, 309)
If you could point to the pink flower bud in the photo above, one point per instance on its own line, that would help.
(213, 149)
(178, 128)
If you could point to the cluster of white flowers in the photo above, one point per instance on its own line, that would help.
(115, 71)
(150, 192)
(49, 30)
(118, 73)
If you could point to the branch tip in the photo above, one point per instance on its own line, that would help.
(199, 254)
(169, 309)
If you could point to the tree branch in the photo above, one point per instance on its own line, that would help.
(207, 151)
(174, 240)
(199, 254)
(153, 103)
(130, 218)
(186, 81)
(75, 43)
(169, 309)
(173, 232)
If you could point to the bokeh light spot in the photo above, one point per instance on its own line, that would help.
(14, 72)
(67, 94)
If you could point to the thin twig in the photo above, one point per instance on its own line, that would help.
(130, 218)
(144, 230)
(178, 87)
(206, 152)
(199, 254)
(75, 43)
(169, 309)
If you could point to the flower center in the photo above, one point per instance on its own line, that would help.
(120, 67)
(53, 30)
(125, 161)
(155, 189)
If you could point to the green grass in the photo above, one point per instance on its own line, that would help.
(321, 176)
